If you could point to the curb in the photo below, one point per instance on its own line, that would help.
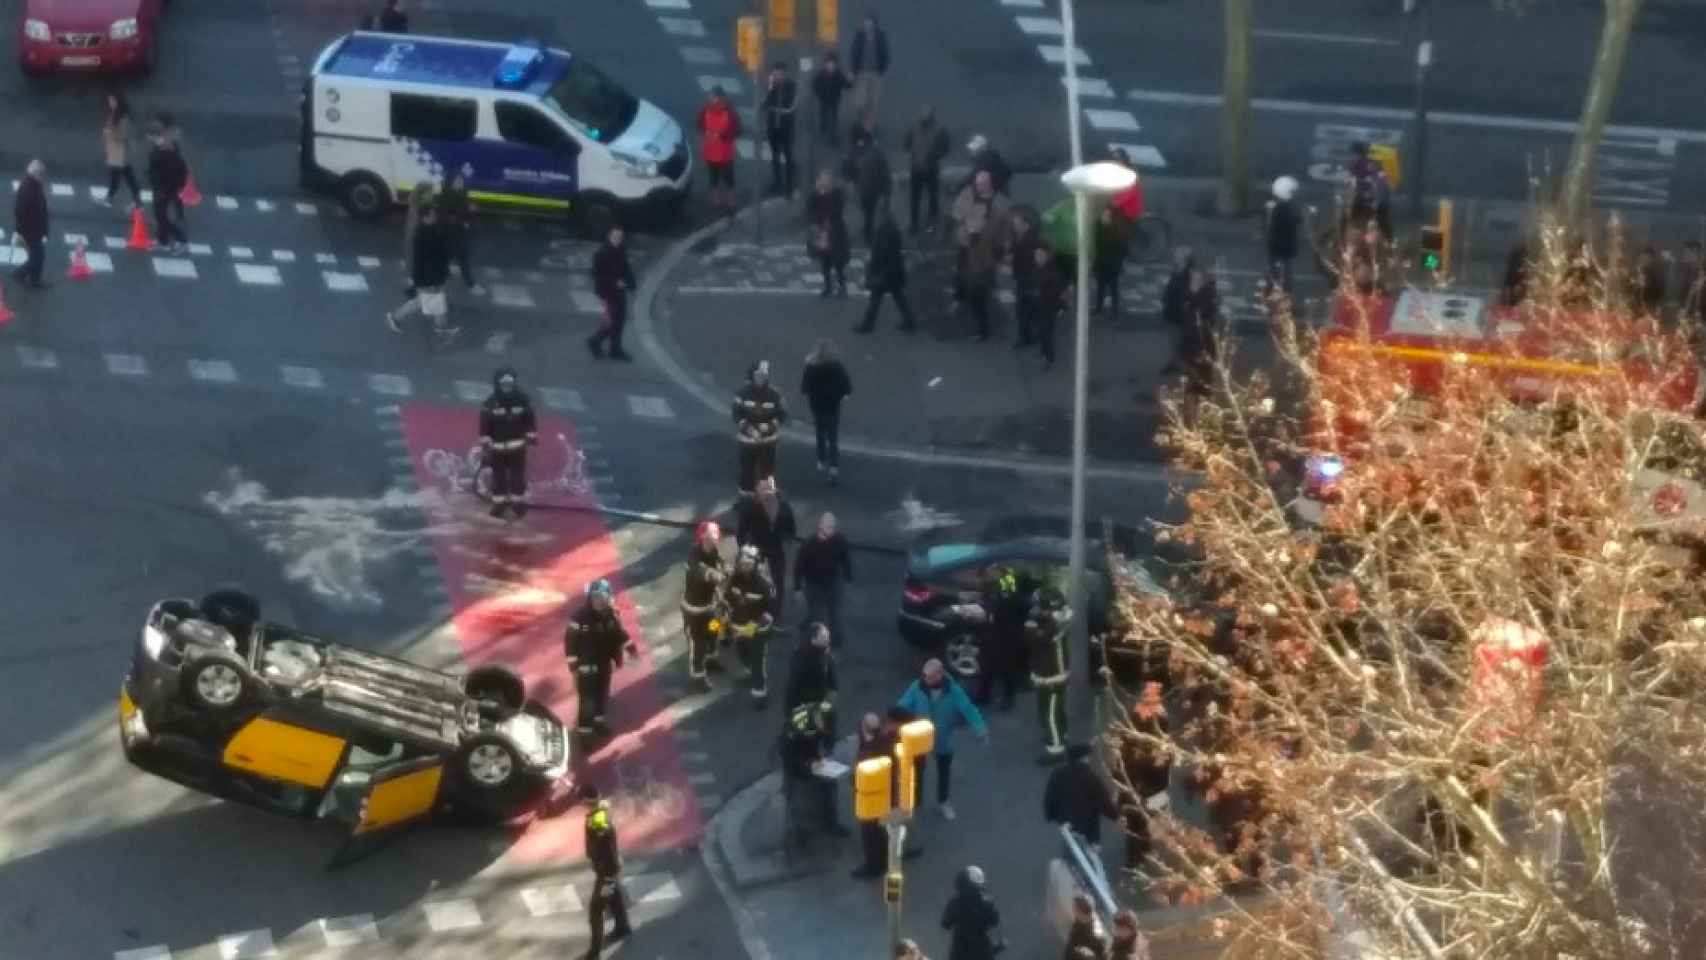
(745, 869)
(645, 328)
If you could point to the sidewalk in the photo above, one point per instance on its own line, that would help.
(734, 301)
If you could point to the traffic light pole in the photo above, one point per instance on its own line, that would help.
(1424, 60)
(893, 880)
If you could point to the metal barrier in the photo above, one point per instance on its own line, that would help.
(1085, 863)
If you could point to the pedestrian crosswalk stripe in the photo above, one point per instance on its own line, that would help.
(472, 391)
(73, 239)
(99, 262)
(655, 408)
(704, 56)
(367, 263)
(682, 26)
(242, 253)
(667, 4)
(559, 398)
(37, 358)
(248, 945)
(225, 202)
(97, 194)
(512, 295)
(201, 250)
(344, 282)
(325, 259)
(1056, 53)
(498, 342)
(264, 206)
(586, 301)
(114, 243)
(212, 371)
(1112, 120)
(303, 378)
(284, 256)
(64, 190)
(390, 384)
(729, 85)
(147, 195)
(446, 915)
(349, 931)
(175, 267)
(653, 888)
(1143, 155)
(551, 901)
(746, 149)
(1022, 3)
(307, 209)
(126, 365)
(259, 274)
(156, 952)
(1091, 88)
(1041, 26)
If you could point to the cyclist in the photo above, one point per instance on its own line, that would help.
(507, 429)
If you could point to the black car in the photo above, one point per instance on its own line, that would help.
(221, 701)
(948, 567)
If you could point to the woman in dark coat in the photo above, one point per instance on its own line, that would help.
(971, 918)
(827, 239)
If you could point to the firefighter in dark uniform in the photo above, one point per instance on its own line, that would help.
(699, 601)
(606, 860)
(808, 737)
(506, 431)
(1004, 662)
(748, 595)
(594, 644)
(1045, 634)
(758, 413)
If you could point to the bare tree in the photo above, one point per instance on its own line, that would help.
(1576, 193)
(1459, 716)
(1234, 197)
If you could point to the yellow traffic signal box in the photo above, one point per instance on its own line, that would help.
(873, 788)
(749, 43)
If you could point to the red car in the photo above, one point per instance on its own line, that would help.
(99, 35)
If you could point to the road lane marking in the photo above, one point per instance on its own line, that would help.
(1308, 37)
(728, 85)
(156, 952)
(1112, 120)
(1056, 53)
(560, 398)
(38, 358)
(1091, 88)
(242, 253)
(247, 945)
(1030, 4)
(652, 408)
(367, 263)
(200, 249)
(115, 243)
(349, 931)
(682, 26)
(264, 206)
(225, 203)
(472, 391)
(390, 384)
(258, 274)
(499, 341)
(212, 371)
(284, 256)
(64, 190)
(703, 56)
(1040, 26)
(302, 378)
(586, 301)
(667, 4)
(344, 282)
(551, 901)
(513, 296)
(174, 267)
(325, 259)
(1143, 155)
(662, 887)
(446, 915)
(307, 209)
(126, 365)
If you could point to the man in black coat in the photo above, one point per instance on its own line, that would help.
(612, 279)
(781, 96)
(870, 60)
(766, 521)
(167, 174)
(30, 221)
(825, 383)
(811, 673)
(867, 168)
(1078, 796)
(829, 82)
(885, 274)
(822, 569)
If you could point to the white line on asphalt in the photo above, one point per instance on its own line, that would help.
(1307, 37)
(174, 267)
(499, 341)
(704, 56)
(156, 952)
(367, 263)
(225, 202)
(201, 250)
(126, 365)
(64, 190)
(344, 282)
(1055, 53)
(1091, 88)
(246, 945)
(73, 239)
(446, 915)
(472, 391)
(512, 295)
(38, 358)
(259, 274)
(558, 398)
(667, 4)
(389, 384)
(303, 378)
(783, 291)
(284, 256)
(212, 371)
(665, 889)
(1033, 4)
(325, 259)
(242, 253)
(115, 243)
(728, 85)
(586, 301)
(551, 901)
(682, 26)
(1112, 120)
(349, 931)
(654, 408)
(1040, 26)
(1441, 117)
(264, 206)
(702, 779)
(147, 195)
(307, 209)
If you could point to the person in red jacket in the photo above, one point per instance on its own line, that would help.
(719, 128)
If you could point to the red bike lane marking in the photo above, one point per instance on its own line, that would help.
(512, 586)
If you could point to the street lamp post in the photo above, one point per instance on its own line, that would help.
(1097, 181)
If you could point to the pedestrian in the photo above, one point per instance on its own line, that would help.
(1111, 244)
(986, 159)
(825, 383)
(1128, 943)
(972, 920)
(939, 698)
(877, 740)
(749, 597)
(808, 738)
(1284, 223)
(829, 83)
(699, 600)
(1077, 796)
(1176, 306)
(926, 146)
(1045, 633)
(812, 677)
(1004, 656)
(1203, 332)
(759, 415)
(429, 272)
(421, 197)
(870, 60)
(507, 429)
(612, 280)
(823, 568)
(982, 218)
(827, 241)
(719, 129)
(1083, 940)
(868, 170)
(1022, 245)
(115, 143)
(457, 213)
(1047, 298)
(605, 856)
(766, 520)
(30, 223)
(392, 19)
(781, 97)
(1145, 767)
(167, 174)
(594, 645)
(885, 275)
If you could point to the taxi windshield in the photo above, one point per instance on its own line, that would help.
(594, 101)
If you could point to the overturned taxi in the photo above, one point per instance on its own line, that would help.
(221, 701)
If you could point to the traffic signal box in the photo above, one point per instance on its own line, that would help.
(873, 788)
(877, 791)
(1436, 243)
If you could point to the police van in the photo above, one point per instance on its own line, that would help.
(528, 127)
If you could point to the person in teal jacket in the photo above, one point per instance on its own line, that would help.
(939, 698)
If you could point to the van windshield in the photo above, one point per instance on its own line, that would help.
(594, 101)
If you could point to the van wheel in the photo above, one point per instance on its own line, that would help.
(217, 680)
(595, 213)
(365, 196)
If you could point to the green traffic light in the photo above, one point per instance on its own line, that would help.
(1430, 261)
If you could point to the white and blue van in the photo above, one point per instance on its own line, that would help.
(529, 127)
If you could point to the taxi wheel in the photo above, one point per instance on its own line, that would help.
(489, 763)
(594, 214)
(365, 196)
(496, 685)
(216, 680)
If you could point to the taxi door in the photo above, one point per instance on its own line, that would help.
(534, 164)
(394, 798)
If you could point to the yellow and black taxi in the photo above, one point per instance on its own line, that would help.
(219, 700)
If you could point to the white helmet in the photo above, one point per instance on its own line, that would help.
(1285, 188)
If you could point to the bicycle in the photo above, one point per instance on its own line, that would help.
(469, 473)
(1151, 239)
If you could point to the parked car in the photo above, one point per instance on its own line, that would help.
(947, 568)
(92, 35)
(221, 701)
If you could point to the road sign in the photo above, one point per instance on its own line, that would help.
(828, 27)
(782, 19)
(749, 42)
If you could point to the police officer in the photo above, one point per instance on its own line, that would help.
(699, 601)
(1045, 632)
(748, 595)
(606, 860)
(758, 413)
(1004, 660)
(808, 737)
(594, 645)
(507, 429)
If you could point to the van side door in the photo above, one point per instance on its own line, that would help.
(535, 160)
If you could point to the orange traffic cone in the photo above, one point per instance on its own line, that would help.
(5, 311)
(79, 264)
(138, 231)
(189, 194)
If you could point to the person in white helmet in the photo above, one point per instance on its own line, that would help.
(1285, 222)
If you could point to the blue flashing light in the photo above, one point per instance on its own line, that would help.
(518, 67)
(1326, 467)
